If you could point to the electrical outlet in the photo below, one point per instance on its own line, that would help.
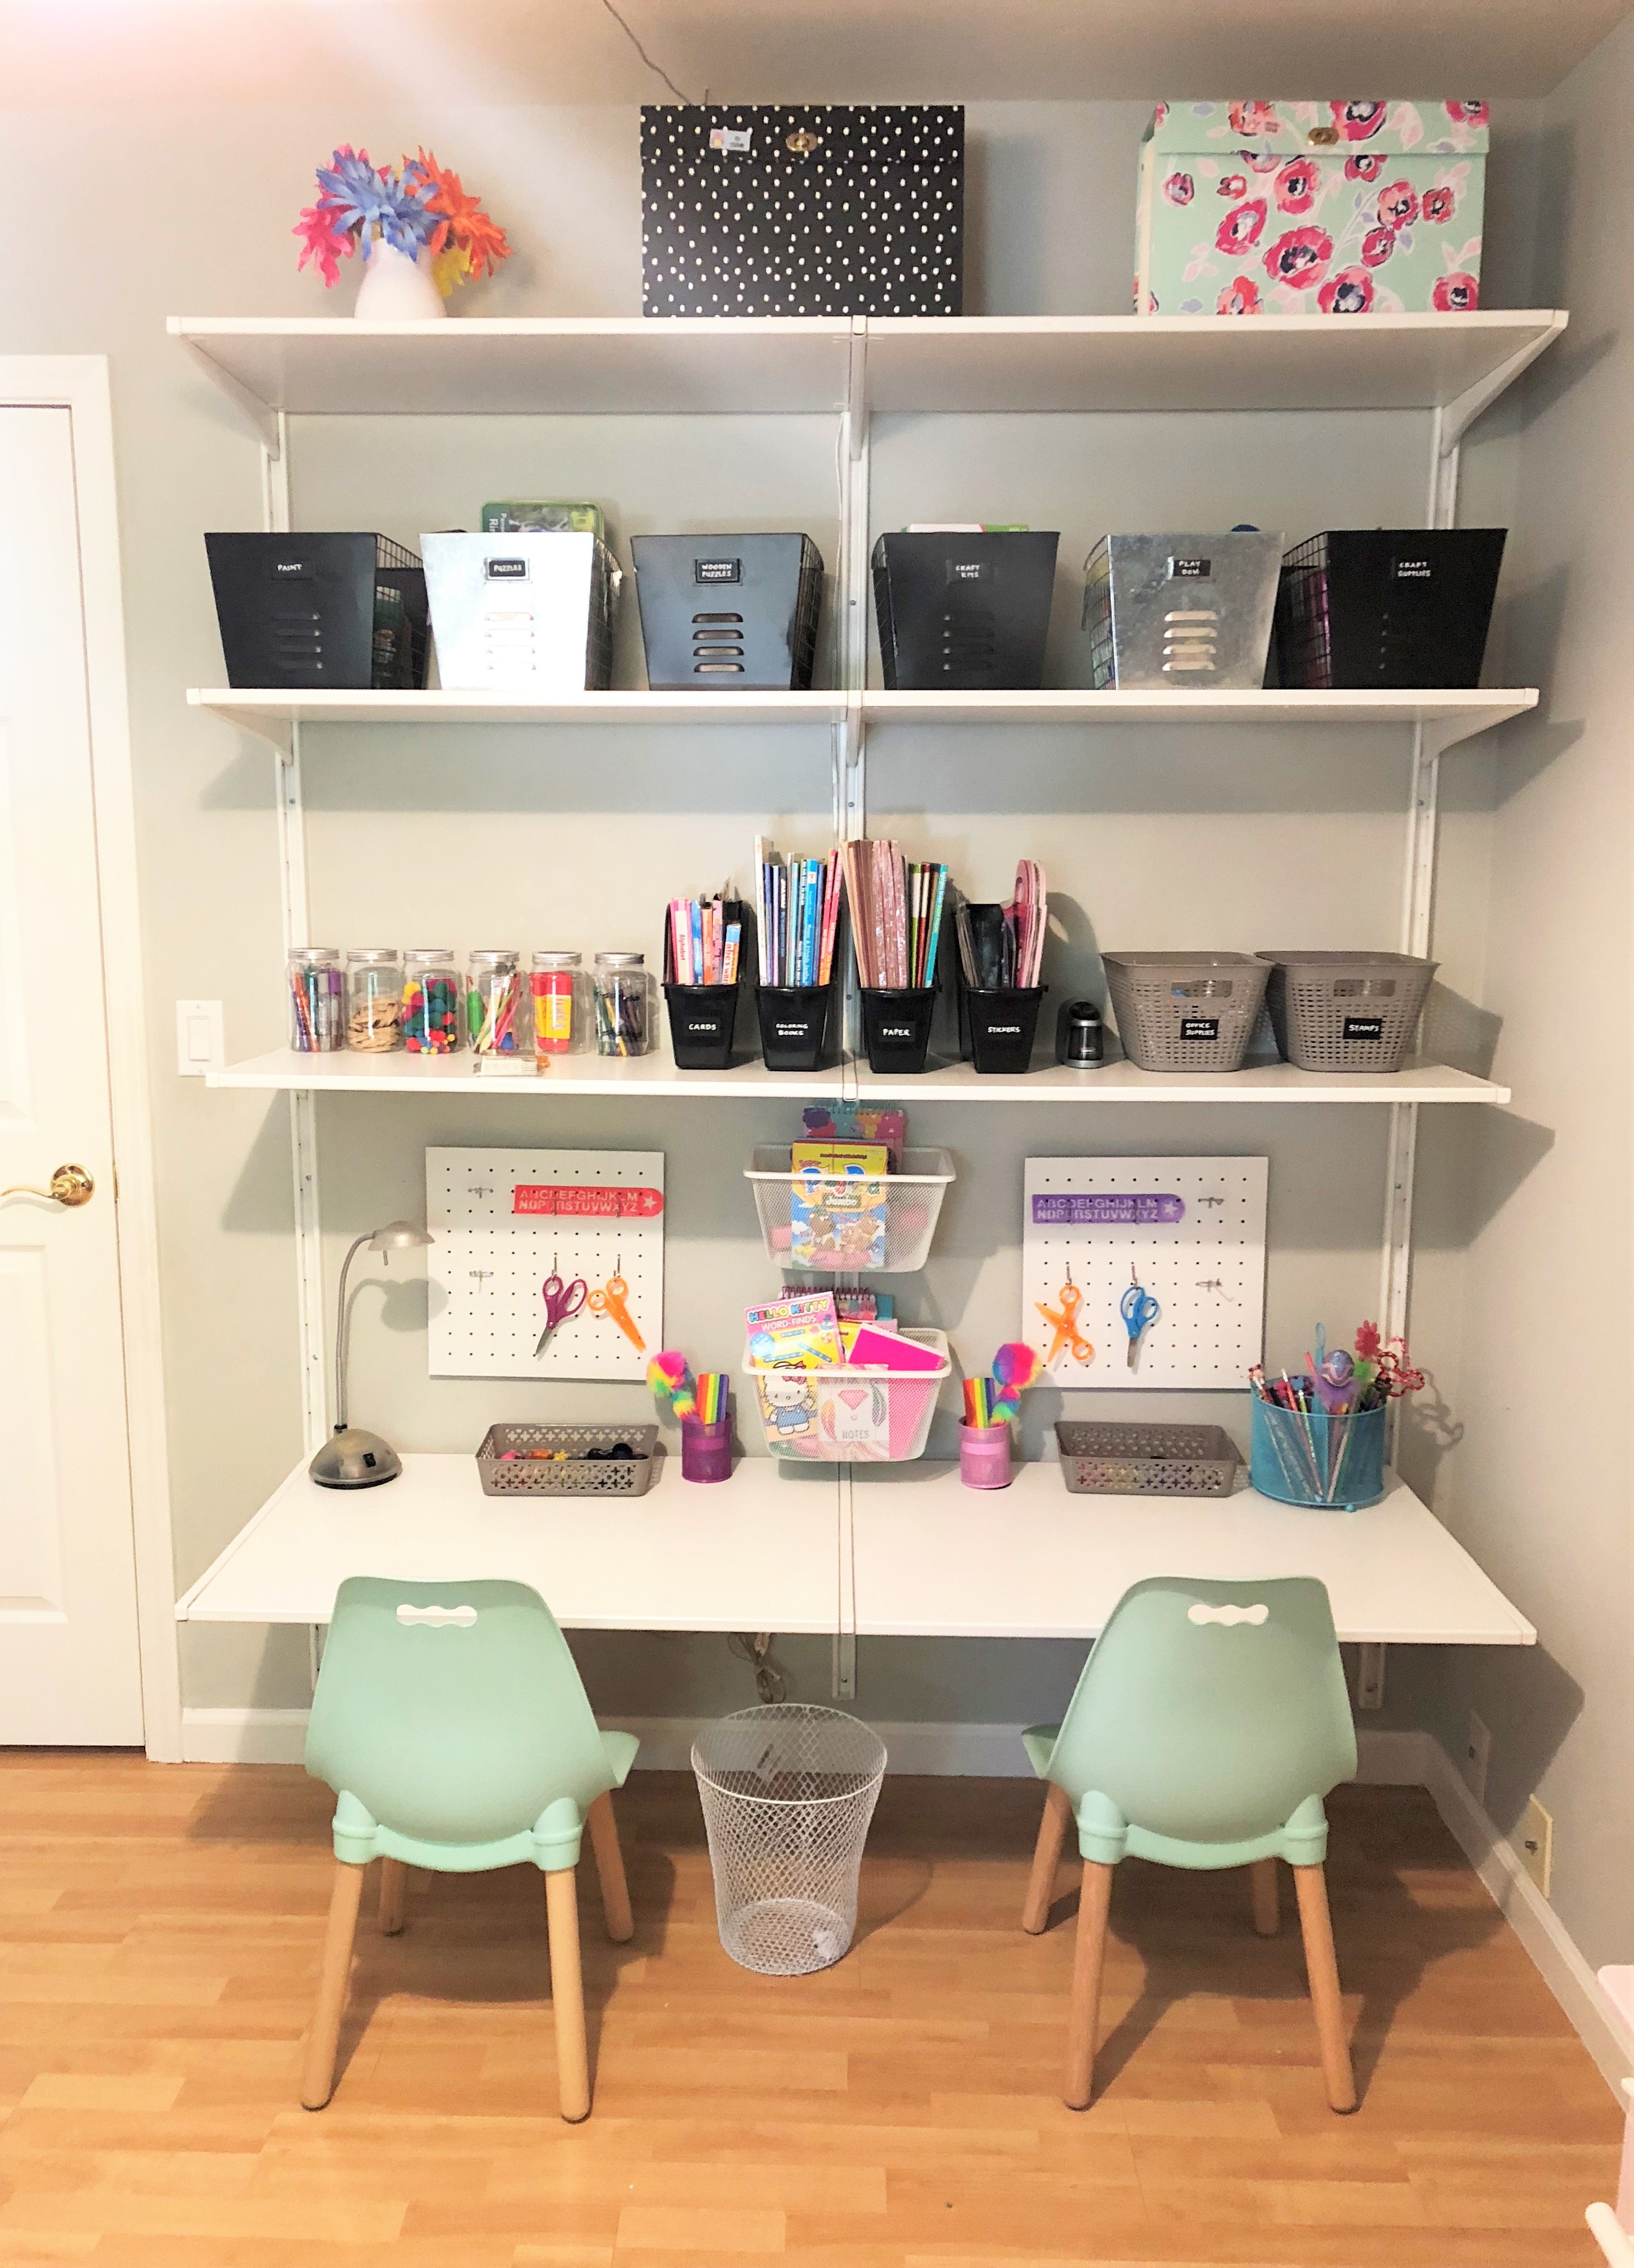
(1536, 1841)
(1477, 1755)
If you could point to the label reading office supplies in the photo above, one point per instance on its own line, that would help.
(506, 571)
(1199, 1028)
(736, 138)
(1191, 571)
(1364, 1027)
(1095, 1208)
(717, 570)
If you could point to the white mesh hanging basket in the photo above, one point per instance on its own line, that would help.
(788, 1792)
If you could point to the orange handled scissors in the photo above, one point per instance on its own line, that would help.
(611, 1302)
(1064, 1320)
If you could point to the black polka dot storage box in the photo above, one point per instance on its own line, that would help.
(827, 209)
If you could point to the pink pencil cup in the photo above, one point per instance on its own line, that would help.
(984, 1456)
(706, 1450)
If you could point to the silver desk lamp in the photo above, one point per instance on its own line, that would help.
(353, 1457)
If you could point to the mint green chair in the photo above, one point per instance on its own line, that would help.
(452, 1723)
(1209, 1723)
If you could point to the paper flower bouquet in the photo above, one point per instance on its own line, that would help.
(417, 216)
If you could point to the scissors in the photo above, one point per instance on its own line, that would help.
(1065, 1322)
(560, 1301)
(611, 1302)
(1139, 1311)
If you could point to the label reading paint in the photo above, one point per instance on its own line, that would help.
(1094, 1208)
(283, 568)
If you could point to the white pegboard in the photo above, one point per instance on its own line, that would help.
(502, 1220)
(1193, 1230)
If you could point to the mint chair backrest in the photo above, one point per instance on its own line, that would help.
(452, 1732)
(1206, 1724)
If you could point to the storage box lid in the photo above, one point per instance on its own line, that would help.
(1398, 128)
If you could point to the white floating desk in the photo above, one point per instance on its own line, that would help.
(932, 1558)
(871, 1551)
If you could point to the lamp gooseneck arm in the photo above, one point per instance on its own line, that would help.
(340, 1336)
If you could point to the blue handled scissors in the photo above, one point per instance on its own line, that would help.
(560, 1301)
(1139, 1311)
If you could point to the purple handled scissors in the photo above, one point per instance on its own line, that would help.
(560, 1301)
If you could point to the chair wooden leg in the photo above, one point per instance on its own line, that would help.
(1041, 1888)
(1088, 1960)
(394, 1895)
(1267, 1903)
(567, 1994)
(616, 1912)
(323, 2040)
(1322, 1968)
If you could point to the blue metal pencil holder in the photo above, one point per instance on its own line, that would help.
(1299, 1457)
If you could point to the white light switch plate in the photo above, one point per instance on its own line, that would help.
(199, 1046)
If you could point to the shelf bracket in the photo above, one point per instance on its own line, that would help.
(1454, 418)
(264, 421)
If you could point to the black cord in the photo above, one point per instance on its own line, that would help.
(642, 52)
(771, 1683)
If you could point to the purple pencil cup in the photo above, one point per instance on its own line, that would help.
(984, 1456)
(706, 1450)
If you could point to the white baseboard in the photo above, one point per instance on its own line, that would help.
(1385, 1759)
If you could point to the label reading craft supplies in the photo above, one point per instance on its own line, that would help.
(1087, 1208)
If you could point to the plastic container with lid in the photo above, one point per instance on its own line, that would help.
(317, 995)
(374, 999)
(560, 997)
(625, 1001)
(494, 1021)
(431, 1001)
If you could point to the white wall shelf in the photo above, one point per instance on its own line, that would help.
(326, 365)
(635, 1077)
(1453, 716)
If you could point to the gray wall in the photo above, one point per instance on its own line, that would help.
(1539, 1500)
(1150, 838)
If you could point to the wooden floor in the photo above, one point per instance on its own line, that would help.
(160, 1931)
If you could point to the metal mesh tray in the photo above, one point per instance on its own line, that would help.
(1146, 1460)
(519, 1474)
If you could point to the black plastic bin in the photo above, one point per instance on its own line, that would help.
(1387, 608)
(999, 1025)
(794, 1024)
(313, 610)
(701, 1021)
(896, 1026)
(964, 614)
(722, 614)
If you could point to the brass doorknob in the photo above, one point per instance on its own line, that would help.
(71, 1185)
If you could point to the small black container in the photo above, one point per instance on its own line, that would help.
(794, 1024)
(724, 614)
(308, 611)
(701, 1020)
(1000, 1026)
(964, 614)
(896, 1026)
(1081, 1035)
(1387, 608)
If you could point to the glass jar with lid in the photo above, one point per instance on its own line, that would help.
(561, 992)
(431, 1020)
(625, 999)
(495, 1023)
(317, 993)
(374, 999)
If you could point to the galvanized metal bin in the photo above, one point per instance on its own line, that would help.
(1168, 613)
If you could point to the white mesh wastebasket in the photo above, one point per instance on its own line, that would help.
(787, 1792)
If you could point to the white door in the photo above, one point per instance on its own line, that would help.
(69, 1665)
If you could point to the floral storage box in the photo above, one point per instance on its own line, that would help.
(1311, 209)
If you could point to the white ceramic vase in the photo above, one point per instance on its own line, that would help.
(396, 289)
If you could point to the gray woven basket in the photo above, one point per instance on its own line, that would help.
(1145, 1460)
(1346, 1011)
(1186, 1011)
(520, 1475)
